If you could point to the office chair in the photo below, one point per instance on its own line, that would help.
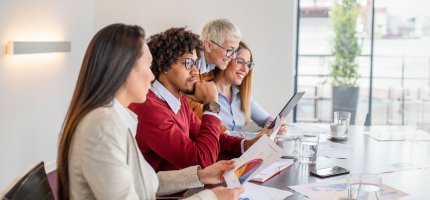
(33, 185)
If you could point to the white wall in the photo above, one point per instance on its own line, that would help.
(35, 90)
(267, 26)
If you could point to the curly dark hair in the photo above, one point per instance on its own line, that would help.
(166, 47)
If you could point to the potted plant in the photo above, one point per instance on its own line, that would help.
(344, 73)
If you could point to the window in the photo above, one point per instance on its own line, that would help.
(394, 83)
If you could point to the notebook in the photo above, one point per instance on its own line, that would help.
(272, 170)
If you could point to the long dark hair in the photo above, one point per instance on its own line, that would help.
(108, 60)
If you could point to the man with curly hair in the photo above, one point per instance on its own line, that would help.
(169, 134)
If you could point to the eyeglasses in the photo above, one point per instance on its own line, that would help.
(241, 62)
(189, 63)
(228, 52)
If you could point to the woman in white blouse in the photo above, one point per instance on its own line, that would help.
(98, 157)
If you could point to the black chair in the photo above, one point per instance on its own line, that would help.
(33, 185)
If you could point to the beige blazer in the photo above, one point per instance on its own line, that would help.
(105, 162)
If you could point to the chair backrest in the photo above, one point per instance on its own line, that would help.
(33, 185)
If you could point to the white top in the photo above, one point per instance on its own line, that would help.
(105, 163)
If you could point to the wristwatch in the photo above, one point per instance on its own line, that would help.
(212, 107)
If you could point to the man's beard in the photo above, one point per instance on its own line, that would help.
(191, 91)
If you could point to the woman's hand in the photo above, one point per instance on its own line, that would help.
(283, 128)
(213, 174)
(265, 131)
(223, 193)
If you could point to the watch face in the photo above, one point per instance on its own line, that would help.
(214, 107)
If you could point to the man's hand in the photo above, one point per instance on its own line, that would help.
(204, 92)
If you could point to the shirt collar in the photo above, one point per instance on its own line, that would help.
(161, 92)
(204, 68)
(126, 115)
(234, 90)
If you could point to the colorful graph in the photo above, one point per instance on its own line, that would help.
(244, 171)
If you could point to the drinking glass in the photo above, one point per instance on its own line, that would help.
(364, 186)
(339, 129)
(308, 149)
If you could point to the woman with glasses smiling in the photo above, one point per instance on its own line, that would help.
(234, 85)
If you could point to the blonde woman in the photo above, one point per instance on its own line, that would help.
(234, 85)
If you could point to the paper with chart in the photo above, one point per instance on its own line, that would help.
(261, 154)
(332, 189)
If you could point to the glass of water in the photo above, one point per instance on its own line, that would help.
(308, 149)
(364, 186)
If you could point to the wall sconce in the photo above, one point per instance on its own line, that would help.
(15, 47)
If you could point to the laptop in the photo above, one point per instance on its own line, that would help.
(288, 107)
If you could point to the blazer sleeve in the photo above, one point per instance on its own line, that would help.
(174, 181)
(163, 135)
(104, 162)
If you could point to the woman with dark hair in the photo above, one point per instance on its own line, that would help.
(98, 157)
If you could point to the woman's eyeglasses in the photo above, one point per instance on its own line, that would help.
(189, 63)
(228, 52)
(241, 62)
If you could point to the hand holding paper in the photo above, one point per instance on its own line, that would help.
(213, 174)
(261, 154)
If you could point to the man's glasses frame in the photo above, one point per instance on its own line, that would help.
(189, 63)
(228, 52)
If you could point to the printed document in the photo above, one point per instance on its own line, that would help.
(260, 155)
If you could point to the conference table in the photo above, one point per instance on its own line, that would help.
(409, 159)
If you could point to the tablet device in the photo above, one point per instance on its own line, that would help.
(288, 107)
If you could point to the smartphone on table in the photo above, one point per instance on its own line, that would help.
(329, 172)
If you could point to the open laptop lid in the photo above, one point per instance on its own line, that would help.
(288, 107)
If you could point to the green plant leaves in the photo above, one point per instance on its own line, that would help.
(345, 43)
